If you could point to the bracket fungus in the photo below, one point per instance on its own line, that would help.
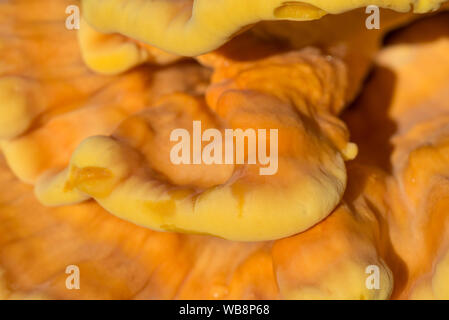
(90, 121)
(131, 175)
(193, 27)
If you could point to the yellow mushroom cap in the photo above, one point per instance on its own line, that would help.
(132, 175)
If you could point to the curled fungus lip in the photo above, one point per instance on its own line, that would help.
(193, 27)
(114, 54)
(130, 173)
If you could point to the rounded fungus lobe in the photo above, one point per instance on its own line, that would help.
(113, 54)
(233, 201)
(193, 27)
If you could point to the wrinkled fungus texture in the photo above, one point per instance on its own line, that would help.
(230, 201)
(409, 94)
(86, 177)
